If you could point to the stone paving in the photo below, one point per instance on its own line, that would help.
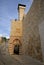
(27, 60)
(18, 60)
(6, 59)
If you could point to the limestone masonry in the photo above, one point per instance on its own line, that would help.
(26, 33)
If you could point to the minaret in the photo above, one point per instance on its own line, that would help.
(21, 9)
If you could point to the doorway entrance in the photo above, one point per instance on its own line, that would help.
(16, 49)
(16, 46)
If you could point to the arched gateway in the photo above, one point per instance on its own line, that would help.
(16, 47)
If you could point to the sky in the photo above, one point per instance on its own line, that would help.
(8, 11)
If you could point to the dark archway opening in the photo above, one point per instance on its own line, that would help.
(16, 49)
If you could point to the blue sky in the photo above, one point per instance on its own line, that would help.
(8, 11)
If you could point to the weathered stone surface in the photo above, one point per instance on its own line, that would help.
(7, 59)
(31, 36)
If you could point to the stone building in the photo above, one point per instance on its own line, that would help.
(15, 41)
(29, 36)
(3, 39)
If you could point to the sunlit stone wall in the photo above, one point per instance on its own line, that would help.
(16, 33)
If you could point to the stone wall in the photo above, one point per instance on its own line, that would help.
(41, 27)
(15, 34)
(31, 36)
(41, 31)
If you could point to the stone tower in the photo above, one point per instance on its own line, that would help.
(21, 9)
(15, 42)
